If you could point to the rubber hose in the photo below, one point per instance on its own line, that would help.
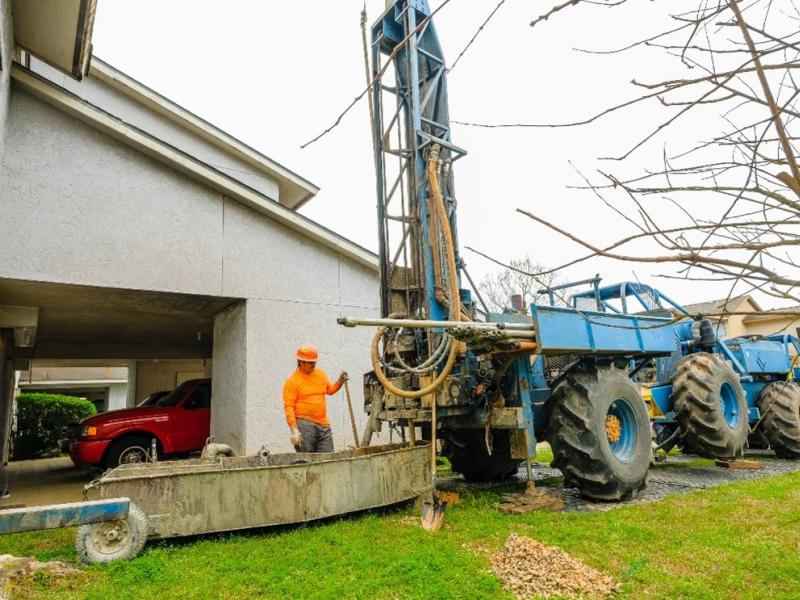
(455, 301)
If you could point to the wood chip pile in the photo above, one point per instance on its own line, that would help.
(532, 569)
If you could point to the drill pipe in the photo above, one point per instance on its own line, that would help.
(426, 324)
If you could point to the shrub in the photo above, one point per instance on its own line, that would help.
(40, 420)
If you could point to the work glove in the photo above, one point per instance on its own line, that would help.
(296, 439)
(343, 377)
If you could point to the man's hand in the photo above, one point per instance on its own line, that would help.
(343, 377)
(296, 439)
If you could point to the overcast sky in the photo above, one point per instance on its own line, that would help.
(274, 74)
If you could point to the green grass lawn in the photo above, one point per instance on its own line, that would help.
(734, 541)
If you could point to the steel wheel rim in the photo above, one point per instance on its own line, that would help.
(133, 455)
(622, 446)
(729, 403)
(111, 536)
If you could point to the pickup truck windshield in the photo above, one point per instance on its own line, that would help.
(175, 395)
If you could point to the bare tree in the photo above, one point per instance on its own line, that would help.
(497, 288)
(726, 208)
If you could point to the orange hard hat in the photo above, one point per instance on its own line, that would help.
(307, 354)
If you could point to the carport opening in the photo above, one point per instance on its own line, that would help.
(114, 348)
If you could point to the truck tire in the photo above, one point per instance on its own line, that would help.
(113, 540)
(130, 449)
(466, 451)
(599, 432)
(779, 404)
(710, 406)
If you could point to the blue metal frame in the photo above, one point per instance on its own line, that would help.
(564, 330)
(421, 109)
(55, 516)
(522, 368)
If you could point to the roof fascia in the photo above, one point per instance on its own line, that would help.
(296, 186)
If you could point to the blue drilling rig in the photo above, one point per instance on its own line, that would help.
(491, 385)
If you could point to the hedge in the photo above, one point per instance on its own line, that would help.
(40, 420)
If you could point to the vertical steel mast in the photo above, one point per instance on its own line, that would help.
(410, 118)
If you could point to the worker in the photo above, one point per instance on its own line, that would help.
(304, 403)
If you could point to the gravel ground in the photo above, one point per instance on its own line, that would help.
(666, 479)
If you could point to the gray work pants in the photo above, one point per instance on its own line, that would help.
(316, 438)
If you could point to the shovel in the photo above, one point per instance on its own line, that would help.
(433, 510)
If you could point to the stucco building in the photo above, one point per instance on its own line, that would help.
(137, 235)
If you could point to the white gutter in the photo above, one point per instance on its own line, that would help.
(295, 190)
(138, 139)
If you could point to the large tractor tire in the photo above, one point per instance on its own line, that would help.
(466, 451)
(779, 404)
(600, 433)
(710, 406)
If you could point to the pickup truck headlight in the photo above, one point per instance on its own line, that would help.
(88, 431)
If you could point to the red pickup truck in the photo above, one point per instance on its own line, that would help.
(179, 422)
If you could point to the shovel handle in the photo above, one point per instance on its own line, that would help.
(352, 416)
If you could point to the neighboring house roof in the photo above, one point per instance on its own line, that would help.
(791, 312)
(712, 307)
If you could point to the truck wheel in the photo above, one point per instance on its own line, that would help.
(779, 404)
(130, 449)
(710, 405)
(466, 451)
(113, 540)
(600, 433)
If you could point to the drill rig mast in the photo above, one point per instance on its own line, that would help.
(487, 380)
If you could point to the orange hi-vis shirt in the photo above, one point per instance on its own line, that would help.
(304, 397)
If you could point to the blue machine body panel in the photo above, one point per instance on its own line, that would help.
(759, 357)
(563, 330)
(661, 398)
(54, 516)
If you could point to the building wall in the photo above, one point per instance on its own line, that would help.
(74, 373)
(113, 217)
(82, 191)
(157, 375)
(123, 107)
(6, 49)
(117, 396)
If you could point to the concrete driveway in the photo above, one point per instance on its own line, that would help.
(45, 481)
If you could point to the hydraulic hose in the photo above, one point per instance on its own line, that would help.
(455, 302)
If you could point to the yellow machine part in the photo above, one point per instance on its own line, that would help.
(652, 408)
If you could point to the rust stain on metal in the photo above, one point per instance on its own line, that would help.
(201, 496)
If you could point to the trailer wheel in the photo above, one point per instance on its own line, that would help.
(466, 451)
(113, 540)
(600, 432)
(710, 405)
(779, 404)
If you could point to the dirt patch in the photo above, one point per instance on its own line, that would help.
(529, 569)
(14, 570)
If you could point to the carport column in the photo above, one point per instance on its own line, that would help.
(131, 399)
(6, 395)
(229, 389)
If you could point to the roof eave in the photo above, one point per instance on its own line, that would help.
(295, 189)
